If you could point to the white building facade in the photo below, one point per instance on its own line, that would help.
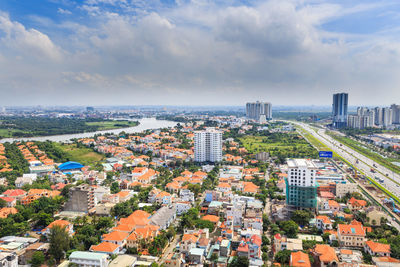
(208, 145)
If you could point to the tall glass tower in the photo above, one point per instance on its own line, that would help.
(339, 110)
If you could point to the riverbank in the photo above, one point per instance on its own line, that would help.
(26, 127)
(144, 124)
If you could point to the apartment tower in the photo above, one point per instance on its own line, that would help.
(208, 145)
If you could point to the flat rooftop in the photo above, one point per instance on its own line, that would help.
(301, 163)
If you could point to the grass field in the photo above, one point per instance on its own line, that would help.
(6, 133)
(108, 125)
(82, 155)
(281, 145)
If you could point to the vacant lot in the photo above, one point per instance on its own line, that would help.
(82, 155)
(282, 145)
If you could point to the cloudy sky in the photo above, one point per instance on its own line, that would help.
(198, 52)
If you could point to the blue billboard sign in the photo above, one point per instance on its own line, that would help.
(325, 154)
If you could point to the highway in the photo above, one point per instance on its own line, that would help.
(364, 164)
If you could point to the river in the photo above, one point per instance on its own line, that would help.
(145, 124)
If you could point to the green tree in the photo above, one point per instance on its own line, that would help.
(114, 188)
(59, 242)
(301, 217)
(240, 261)
(283, 257)
(37, 259)
(3, 203)
(290, 228)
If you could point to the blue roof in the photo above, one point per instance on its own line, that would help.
(70, 165)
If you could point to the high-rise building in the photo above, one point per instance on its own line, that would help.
(365, 118)
(378, 116)
(301, 184)
(395, 113)
(208, 145)
(339, 110)
(259, 110)
(386, 117)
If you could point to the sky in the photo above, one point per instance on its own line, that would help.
(198, 52)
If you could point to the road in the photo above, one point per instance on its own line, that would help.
(360, 161)
(170, 248)
(364, 164)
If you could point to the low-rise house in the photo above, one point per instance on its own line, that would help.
(188, 242)
(145, 234)
(84, 258)
(106, 247)
(123, 260)
(69, 227)
(124, 195)
(182, 207)
(196, 256)
(116, 237)
(386, 262)
(164, 217)
(356, 204)
(21, 181)
(377, 249)
(186, 195)
(282, 243)
(11, 202)
(350, 256)
(323, 222)
(325, 255)
(351, 235)
(18, 194)
(8, 259)
(333, 206)
(299, 259)
(164, 198)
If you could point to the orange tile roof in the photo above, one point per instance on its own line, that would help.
(104, 247)
(299, 259)
(357, 202)
(211, 218)
(378, 247)
(189, 237)
(326, 253)
(345, 229)
(115, 236)
(61, 223)
(4, 212)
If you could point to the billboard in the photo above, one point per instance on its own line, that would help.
(325, 154)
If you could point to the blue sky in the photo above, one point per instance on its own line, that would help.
(222, 52)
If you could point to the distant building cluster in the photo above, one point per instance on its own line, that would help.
(365, 117)
(375, 117)
(259, 111)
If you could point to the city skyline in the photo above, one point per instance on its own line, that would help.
(121, 52)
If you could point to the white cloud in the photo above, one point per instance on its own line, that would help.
(27, 42)
(63, 11)
(201, 52)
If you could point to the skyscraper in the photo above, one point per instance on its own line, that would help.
(395, 113)
(386, 117)
(339, 110)
(208, 145)
(255, 110)
(301, 184)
